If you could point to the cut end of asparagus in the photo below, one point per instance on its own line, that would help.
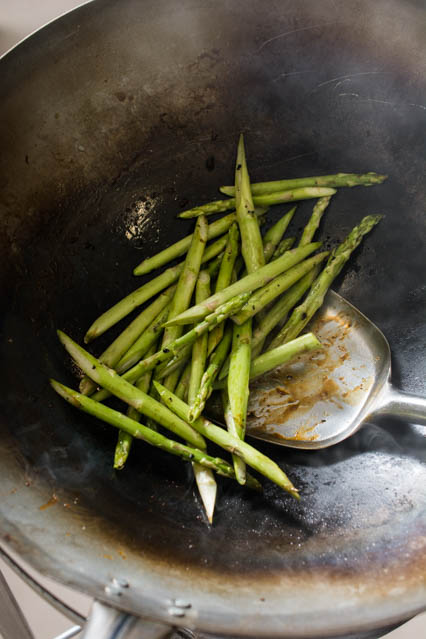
(64, 392)
(207, 488)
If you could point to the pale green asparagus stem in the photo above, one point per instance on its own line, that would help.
(335, 181)
(143, 344)
(263, 296)
(278, 356)
(305, 311)
(204, 478)
(273, 236)
(138, 430)
(185, 288)
(181, 390)
(222, 313)
(107, 378)
(238, 387)
(215, 364)
(314, 221)
(254, 259)
(279, 311)
(251, 239)
(145, 292)
(285, 245)
(221, 437)
(124, 439)
(199, 347)
(224, 279)
(265, 200)
(250, 282)
(121, 345)
(217, 228)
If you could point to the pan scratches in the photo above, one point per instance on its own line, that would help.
(288, 33)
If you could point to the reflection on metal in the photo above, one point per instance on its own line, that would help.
(13, 624)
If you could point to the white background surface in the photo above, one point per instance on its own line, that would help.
(18, 18)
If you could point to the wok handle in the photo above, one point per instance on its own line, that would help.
(106, 622)
(399, 404)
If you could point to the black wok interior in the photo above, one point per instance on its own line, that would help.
(107, 134)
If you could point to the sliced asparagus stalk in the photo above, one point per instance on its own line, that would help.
(303, 313)
(334, 181)
(145, 292)
(250, 282)
(264, 200)
(138, 430)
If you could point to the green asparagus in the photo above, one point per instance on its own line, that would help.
(335, 181)
(145, 292)
(206, 385)
(221, 437)
(110, 380)
(250, 282)
(217, 228)
(278, 356)
(263, 296)
(224, 279)
(273, 236)
(302, 314)
(124, 439)
(219, 315)
(314, 220)
(280, 310)
(142, 345)
(138, 430)
(185, 287)
(285, 245)
(265, 200)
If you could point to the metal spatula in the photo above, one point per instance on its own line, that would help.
(324, 397)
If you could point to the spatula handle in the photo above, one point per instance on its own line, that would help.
(399, 404)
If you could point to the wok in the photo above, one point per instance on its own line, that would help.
(114, 118)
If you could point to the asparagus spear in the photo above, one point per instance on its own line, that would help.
(181, 390)
(285, 245)
(338, 258)
(251, 239)
(272, 237)
(124, 439)
(238, 387)
(143, 403)
(199, 347)
(142, 345)
(185, 288)
(219, 315)
(280, 309)
(138, 430)
(314, 220)
(339, 179)
(133, 334)
(224, 279)
(221, 437)
(250, 282)
(204, 478)
(264, 200)
(263, 296)
(206, 385)
(145, 292)
(279, 356)
(254, 259)
(217, 228)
